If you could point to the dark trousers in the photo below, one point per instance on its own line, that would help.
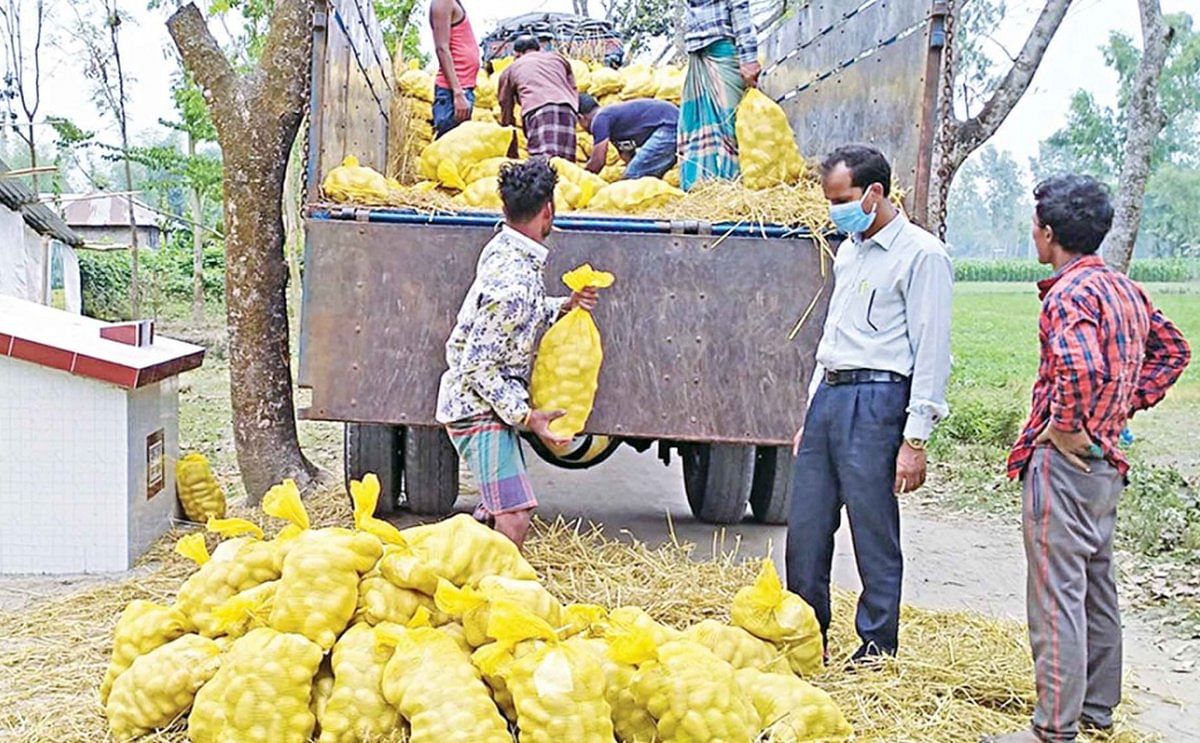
(847, 458)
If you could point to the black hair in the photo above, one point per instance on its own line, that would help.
(1078, 208)
(587, 104)
(526, 188)
(526, 43)
(867, 165)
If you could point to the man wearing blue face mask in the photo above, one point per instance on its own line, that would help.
(878, 390)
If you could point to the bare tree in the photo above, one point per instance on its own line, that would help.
(257, 114)
(581, 7)
(1145, 121)
(25, 84)
(103, 67)
(958, 138)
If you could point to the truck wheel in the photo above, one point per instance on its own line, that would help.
(371, 447)
(430, 471)
(771, 495)
(717, 478)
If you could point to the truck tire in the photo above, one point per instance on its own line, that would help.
(718, 478)
(430, 471)
(371, 447)
(771, 494)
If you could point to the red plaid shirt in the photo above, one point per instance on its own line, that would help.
(1106, 354)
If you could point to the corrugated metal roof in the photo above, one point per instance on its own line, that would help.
(105, 210)
(42, 219)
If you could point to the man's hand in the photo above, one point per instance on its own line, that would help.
(584, 300)
(750, 72)
(462, 107)
(539, 425)
(1074, 446)
(911, 467)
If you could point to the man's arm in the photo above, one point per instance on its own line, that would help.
(480, 367)
(927, 304)
(506, 94)
(745, 40)
(1167, 355)
(440, 18)
(598, 157)
(1074, 344)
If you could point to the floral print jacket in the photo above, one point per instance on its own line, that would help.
(490, 352)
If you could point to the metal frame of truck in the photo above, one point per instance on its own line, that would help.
(710, 330)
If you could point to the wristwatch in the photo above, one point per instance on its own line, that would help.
(917, 444)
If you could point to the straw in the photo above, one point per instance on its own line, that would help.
(959, 674)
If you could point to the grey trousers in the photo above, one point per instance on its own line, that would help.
(1074, 623)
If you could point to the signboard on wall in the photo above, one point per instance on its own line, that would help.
(155, 473)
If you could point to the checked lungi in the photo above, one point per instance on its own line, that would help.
(550, 131)
(492, 451)
(707, 135)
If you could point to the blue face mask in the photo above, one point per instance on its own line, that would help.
(850, 217)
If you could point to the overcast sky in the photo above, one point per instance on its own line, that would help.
(1073, 61)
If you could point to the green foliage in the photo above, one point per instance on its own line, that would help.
(1160, 512)
(166, 276)
(399, 20)
(989, 207)
(976, 75)
(641, 21)
(195, 119)
(1150, 270)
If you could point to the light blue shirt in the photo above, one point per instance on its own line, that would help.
(890, 311)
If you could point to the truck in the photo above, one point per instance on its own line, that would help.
(710, 331)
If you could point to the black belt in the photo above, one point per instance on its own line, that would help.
(862, 376)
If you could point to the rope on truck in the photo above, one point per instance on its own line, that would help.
(833, 26)
(865, 54)
(383, 69)
(361, 68)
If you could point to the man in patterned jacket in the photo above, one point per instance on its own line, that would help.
(1107, 354)
(483, 400)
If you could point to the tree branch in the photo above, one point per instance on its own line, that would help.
(202, 56)
(286, 50)
(968, 135)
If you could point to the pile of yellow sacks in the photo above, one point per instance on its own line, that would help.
(443, 633)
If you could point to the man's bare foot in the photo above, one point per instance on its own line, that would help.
(515, 525)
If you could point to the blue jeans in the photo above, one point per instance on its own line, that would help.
(656, 156)
(443, 109)
(847, 457)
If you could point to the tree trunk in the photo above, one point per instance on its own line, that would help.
(581, 7)
(33, 161)
(1144, 121)
(197, 206)
(958, 138)
(135, 298)
(293, 226)
(257, 116)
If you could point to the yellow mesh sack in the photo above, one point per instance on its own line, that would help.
(484, 116)
(792, 710)
(261, 694)
(737, 647)
(771, 613)
(583, 146)
(318, 591)
(142, 627)
(379, 600)
(247, 610)
(558, 690)
(669, 81)
(421, 111)
(482, 194)
(609, 99)
(626, 618)
(636, 196)
(499, 65)
(199, 493)
(637, 81)
(692, 694)
(672, 177)
(766, 144)
(433, 683)
(583, 75)
(459, 549)
(236, 565)
(455, 632)
(582, 619)
(357, 709)
(416, 83)
(321, 691)
(448, 158)
(160, 686)
(610, 174)
(631, 722)
(489, 168)
(589, 184)
(473, 606)
(485, 91)
(351, 182)
(566, 372)
(605, 81)
(493, 662)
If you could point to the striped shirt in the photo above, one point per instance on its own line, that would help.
(709, 21)
(1107, 353)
